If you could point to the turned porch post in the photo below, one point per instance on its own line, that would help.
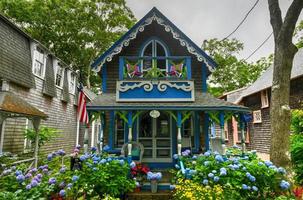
(36, 124)
(2, 130)
(130, 133)
(221, 118)
(179, 138)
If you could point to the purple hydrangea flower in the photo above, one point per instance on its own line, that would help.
(50, 157)
(39, 176)
(20, 178)
(34, 183)
(28, 187)
(28, 176)
(93, 149)
(62, 193)
(62, 184)
(18, 172)
(45, 170)
(78, 146)
(62, 170)
(52, 181)
(34, 170)
(61, 152)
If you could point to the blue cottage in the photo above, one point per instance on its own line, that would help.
(155, 102)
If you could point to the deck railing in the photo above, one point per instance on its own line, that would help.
(147, 67)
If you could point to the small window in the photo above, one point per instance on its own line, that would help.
(39, 62)
(27, 142)
(264, 99)
(59, 75)
(188, 132)
(72, 82)
(119, 132)
(257, 116)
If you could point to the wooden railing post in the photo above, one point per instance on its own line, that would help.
(179, 138)
(188, 67)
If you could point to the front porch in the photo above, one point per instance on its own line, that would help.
(164, 128)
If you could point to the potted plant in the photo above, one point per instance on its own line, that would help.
(154, 178)
(139, 172)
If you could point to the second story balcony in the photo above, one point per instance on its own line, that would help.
(147, 68)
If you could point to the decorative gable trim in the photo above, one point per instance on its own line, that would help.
(159, 18)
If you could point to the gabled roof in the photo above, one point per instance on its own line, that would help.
(153, 15)
(265, 80)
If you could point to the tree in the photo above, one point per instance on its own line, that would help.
(299, 34)
(285, 50)
(231, 73)
(76, 31)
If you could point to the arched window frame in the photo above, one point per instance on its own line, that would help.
(154, 40)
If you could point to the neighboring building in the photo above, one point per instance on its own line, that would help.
(155, 93)
(34, 74)
(257, 98)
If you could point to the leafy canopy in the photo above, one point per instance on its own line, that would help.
(75, 31)
(231, 73)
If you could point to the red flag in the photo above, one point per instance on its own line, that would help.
(82, 113)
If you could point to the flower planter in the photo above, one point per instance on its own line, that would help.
(137, 189)
(154, 186)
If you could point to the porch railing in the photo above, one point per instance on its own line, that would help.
(147, 67)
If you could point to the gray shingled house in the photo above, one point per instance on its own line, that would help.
(257, 98)
(33, 73)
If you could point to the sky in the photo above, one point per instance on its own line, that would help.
(206, 19)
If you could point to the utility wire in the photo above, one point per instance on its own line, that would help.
(259, 46)
(242, 20)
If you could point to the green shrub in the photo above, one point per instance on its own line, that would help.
(45, 135)
(296, 152)
(297, 121)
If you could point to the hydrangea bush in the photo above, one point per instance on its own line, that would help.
(241, 177)
(101, 176)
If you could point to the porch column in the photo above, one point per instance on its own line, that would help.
(206, 131)
(221, 117)
(36, 124)
(85, 145)
(130, 133)
(101, 131)
(179, 138)
(242, 126)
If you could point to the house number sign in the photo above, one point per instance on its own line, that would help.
(154, 113)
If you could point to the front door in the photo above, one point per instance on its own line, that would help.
(155, 135)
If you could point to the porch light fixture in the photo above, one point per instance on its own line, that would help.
(154, 113)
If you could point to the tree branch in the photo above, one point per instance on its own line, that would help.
(275, 16)
(291, 18)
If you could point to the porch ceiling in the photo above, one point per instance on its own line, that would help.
(203, 102)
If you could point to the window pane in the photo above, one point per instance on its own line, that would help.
(145, 126)
(147, 64)
(59, 76)
(119, 132)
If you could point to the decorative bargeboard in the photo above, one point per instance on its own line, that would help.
(155, 91)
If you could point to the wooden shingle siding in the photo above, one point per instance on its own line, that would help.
(15, 57)
(49, 87)
(61, 116)
(174, 47)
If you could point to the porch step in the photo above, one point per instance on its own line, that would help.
(147, 195)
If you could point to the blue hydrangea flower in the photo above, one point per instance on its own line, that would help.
(210, 175)
(244, 168)
(93, 149)
(205, 182)
(28, 187)
(216, 178)
(268, 163)
(75, 178)
(20, 178)
(69, 186)
(192, 172)
(45, 170)
(172, 187)
(214, 171)
(103, 161)
(231, 167)
(61, 152)
(18, 172)
(34, 183)
(223, 171)
(177, 166)
(260, 163)
(109, 159)
(106, 148)
(281, 170)
(206, 163)
(175, 156)
(6, 172)
(194, 157)
(254, 188)
(83, 158)
(121, 162)
(34, 170)
(62, 193)
(78, 146)
(207, 153)
(219, 158)
(273, 167)
(39, 176)
(244, 187)
(96, 158)
(132, 164)
(284, 185)
(52, 181)
(50, 157)
(252, 178)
